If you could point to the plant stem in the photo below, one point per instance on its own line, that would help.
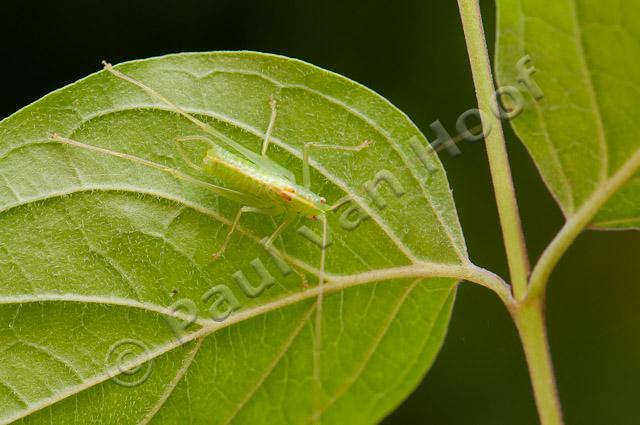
(496, 149)
(576, 224)
(527, 312)
(529, 319)
(468, 272)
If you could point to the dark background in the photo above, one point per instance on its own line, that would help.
(413, 53)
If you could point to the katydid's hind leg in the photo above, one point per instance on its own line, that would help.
(273, 104)
(234, 224)
(147, 163)
(306, 173)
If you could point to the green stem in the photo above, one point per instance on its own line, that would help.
(576, 224)
(528, 315)
(496, 148)
(529, 319)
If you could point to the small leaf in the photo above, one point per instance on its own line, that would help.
(105, 262)
(585, 128)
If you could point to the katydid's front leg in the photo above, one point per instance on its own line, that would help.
(306, 174)
(236, 220)
(288, 221)
(268, 244)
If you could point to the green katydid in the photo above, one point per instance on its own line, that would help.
(256, 182)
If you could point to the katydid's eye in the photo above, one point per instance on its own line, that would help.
(323, 201)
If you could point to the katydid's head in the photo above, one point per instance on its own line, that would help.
(322, 205)
(304, 202)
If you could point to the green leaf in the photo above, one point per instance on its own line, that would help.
(584, 131)
(97, 249)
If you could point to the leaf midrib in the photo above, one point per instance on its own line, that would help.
(593, 98)
(204, 331)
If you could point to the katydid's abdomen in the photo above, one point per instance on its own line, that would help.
(243, 175)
